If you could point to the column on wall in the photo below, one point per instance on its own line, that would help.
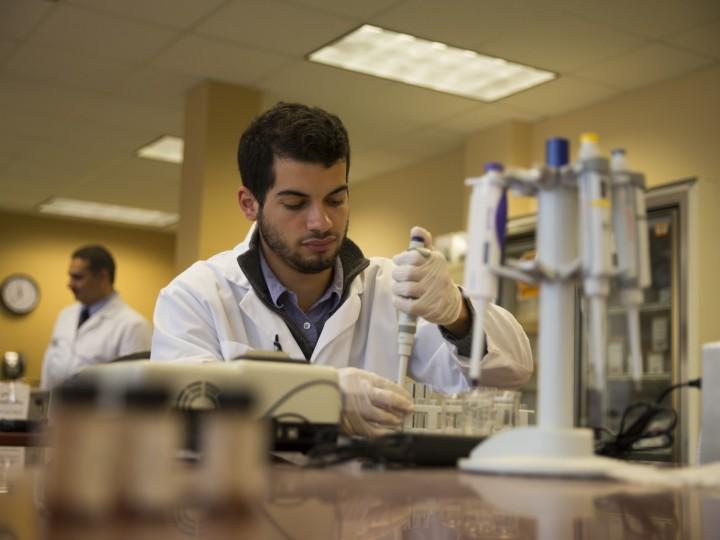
(210, 220)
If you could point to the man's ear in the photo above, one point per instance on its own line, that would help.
(248, 203)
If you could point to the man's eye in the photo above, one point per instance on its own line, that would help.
(336, 202)
(293, 206)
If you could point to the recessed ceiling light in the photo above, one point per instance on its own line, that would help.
(165, 148)
(107, 212)
(429, 64)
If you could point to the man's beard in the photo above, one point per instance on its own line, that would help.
(306, 265)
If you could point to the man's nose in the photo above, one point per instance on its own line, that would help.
(318, 218)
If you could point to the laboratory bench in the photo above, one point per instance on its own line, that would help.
(354, 502)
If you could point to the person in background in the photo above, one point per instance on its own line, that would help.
(297, 283)
(100, 327)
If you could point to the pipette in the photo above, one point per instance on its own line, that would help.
(486, 237)
(595, 248)
(631, 234)
(407, 325)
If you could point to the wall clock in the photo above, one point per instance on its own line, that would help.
(19, 294)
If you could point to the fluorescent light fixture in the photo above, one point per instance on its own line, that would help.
(429, 64)
(107, 212)
(166, 148)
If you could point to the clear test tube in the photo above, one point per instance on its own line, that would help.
(420, 395)
(453, 420)
(506, 404)
(478, 412)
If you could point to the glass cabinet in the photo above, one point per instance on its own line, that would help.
(661, 320)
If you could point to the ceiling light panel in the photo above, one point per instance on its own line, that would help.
(166, 148)
(429, 64)
(107, 212)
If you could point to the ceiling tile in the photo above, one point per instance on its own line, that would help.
(156, 86)
(560, 42)
(56, 66)
(425, 143)
(643, 66)
(115, 113)
(6, 49)
(485, 115)
(350, 8)
(276, 26)
(462, 23)
(19, 17)
(649, 18)
(42, 123)
(337, 90)
(21, 195)
(559, 96)
(132, 182)
(417, 106)
(703, 39)
(79, 30)
(368, 162)
(173, 13)
(22, 94)
(213, 59)
(13, 144)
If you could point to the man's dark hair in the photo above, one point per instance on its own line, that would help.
(98, 258)
(289, 130)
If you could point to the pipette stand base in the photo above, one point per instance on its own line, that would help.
(536, 451)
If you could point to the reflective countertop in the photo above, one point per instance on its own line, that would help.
(349, 502)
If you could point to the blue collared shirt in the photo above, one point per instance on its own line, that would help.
(312, 321)
(94, 308)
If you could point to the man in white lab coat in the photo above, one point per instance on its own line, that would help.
(100, 327)
(297, 283)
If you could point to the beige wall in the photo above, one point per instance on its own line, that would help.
(384, 209)
(41, 247)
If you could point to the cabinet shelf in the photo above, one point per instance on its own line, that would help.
(644, 308)
(645, 377)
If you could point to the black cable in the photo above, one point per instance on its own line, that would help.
(300, 388)
(368, 450)
(643, 427)
(695, 383)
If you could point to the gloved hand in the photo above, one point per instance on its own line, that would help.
(423, 286)
(374, 405)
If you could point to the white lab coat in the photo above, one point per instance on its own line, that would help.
(113, 331)
(212, 311)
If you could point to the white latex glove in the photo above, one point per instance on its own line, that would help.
(423, 286)
(374, 405)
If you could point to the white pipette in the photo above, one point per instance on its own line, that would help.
(631, 233)
(407, 324)
(486, 236)
(595, 248)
